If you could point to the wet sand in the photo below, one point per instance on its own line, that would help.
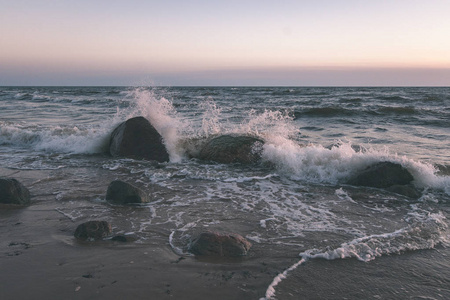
(40, 258)
(423, 274)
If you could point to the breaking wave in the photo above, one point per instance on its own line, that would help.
(182, 133)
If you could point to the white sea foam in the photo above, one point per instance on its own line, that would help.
(315, 163)
(270, 125)
(176, 249)
(270, 292)
(211, 119)
(63, 139)
(423, 233)
(344, 195)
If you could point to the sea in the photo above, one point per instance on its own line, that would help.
(341, 241)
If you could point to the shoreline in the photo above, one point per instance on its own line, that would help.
(41, 258)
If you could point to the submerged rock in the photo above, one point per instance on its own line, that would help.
(119, 238)
(406, 190)
(124, 238)
(95, 230)
(13, 192)
(220, 244)
(137, 138)
(232, 149)
(383, 175)
(120, 192)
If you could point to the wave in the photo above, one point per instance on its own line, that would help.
(312, 163)
(182, 135)
(398, 110)
(435, 99)
(350, 111)
(393, 98)
(335, 165)
(63, 139)
(351, 100)
(91, 139)
(328, 111)
(297, 92)
(23, 96)
(424, 232)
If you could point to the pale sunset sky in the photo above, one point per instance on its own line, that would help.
(238, 43)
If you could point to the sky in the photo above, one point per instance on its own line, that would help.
(237, 43)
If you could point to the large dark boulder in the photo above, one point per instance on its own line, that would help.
(137, 138)
(219, 244)
(232, 149)
(383, 175)
(120, 192)
(13, 192)
(93, 230)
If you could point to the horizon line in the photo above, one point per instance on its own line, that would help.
(241, 86)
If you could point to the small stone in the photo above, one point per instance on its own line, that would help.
(13, 192)
(95, 230)
(220, 244)
(120, 192)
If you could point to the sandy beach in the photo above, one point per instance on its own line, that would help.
(41, 259)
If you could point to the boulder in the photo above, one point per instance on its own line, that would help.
(383, 175)
(120, 192)
(232, 149)
(137, 138)
(93, 230)
(219, 244)
(13, 192)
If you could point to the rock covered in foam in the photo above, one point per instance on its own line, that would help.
(120, 192)
(232, 149)
(13, 192)
(94, 230)
(383, 175)
(137, 138)
(220, 244)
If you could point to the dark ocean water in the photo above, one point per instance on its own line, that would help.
(296, 201)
